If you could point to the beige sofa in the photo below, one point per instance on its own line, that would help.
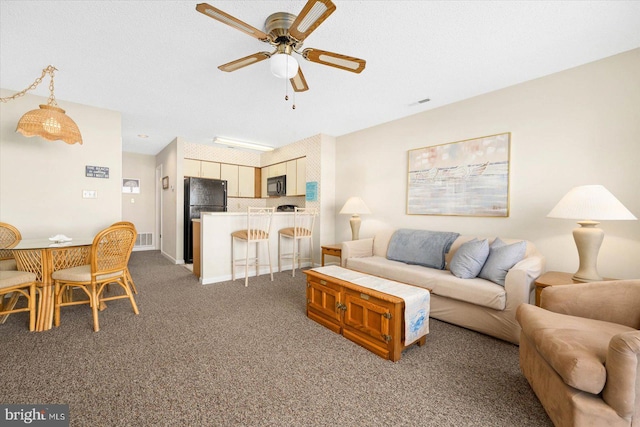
(476, 303)
(580, 351)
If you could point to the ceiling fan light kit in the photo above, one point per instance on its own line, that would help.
(286, 33)
(283, 66)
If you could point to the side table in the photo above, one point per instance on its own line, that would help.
(554, 278)
(333, 250)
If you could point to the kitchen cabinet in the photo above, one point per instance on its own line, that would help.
(201, 169)
(246, 181)
(241, 180)
(278, 169)
(301, 176)
(295, 171)
(191, 167)
(292, 187)
(230, 174)
(209, 170)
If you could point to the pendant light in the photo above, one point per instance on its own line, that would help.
(50, 121)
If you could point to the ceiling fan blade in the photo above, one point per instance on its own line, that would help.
(311, 16)
(331, 59)
(298, 82)
(243, 62)
(225, 18)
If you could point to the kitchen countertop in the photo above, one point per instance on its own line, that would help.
(240, 213)
(234, 214)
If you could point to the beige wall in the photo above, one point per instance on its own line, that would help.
(41, 181)
(172, 200)
(140, 208)
(580, 126)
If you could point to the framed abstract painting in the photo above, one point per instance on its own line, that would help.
(467, 178)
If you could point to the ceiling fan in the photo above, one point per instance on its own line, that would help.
(286, 33)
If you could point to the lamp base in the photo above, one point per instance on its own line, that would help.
(355, 226)
(588, 239)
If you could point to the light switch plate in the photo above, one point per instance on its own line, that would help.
(89, 194)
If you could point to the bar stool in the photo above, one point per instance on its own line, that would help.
(303, 222)
(18, 283)
(258, 229)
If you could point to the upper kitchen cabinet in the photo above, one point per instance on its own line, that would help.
(301, 176)
(296, 172)
(210, 170)
(201, 169)
(246, 181)
(292, 178)
(229, 173)
(241, 180)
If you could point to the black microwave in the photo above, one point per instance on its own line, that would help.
(277, 186)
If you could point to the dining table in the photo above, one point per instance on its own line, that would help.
(43, 257)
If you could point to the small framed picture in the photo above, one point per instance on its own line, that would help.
(165, 182)
(131, 185)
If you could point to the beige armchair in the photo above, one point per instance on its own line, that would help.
(580, 352)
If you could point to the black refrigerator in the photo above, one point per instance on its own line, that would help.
(201, 195)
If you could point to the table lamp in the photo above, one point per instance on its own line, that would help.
(355, 206)
(589, 203)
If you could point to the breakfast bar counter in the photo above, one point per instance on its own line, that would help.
(215, 244)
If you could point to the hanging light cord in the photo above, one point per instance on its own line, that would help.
(52, 100)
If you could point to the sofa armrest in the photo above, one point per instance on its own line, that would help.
(519, 282)
(622, 389)
(614, 301)
(356, 249)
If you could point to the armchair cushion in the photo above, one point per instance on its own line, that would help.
(575, 347)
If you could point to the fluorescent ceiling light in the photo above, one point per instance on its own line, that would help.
(241, 144)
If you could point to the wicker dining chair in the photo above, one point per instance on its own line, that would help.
(9, 237)
(110, 254)
(17, 284)
(303, 222)
(128, 273)
(257, 231)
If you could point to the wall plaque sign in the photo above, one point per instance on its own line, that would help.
(312, 191)
(96, 171)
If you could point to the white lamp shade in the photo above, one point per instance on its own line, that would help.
(590, 202)
(355, 205)
(283, 66)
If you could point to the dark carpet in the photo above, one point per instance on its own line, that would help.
(226, 355)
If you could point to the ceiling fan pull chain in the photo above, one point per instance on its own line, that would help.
(293, 107)
(286, 84)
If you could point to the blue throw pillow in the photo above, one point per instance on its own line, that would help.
(468, 260)
(501, 258)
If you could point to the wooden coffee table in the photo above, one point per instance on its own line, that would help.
(372, 319)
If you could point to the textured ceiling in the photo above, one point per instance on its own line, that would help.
(156, 61)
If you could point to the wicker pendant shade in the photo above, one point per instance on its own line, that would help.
(50, 121)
